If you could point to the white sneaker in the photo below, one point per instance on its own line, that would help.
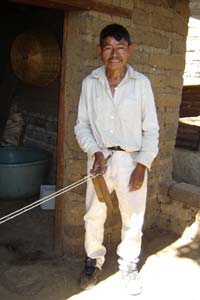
(132, 282)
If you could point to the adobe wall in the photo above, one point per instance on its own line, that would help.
(158, 29)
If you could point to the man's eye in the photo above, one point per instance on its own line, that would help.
(107, 48)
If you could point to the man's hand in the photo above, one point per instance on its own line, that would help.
(137, 177)
(99, 165)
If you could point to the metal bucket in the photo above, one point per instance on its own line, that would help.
(22, 171)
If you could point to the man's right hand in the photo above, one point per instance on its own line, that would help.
(99, 166)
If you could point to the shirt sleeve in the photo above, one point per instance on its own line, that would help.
(82, 128)
(150, 127)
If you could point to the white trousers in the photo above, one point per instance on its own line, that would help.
(132, 208)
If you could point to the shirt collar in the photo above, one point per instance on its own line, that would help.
(101, 74)
(132, 74)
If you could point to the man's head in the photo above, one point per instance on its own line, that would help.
(115, 46)
(116, 31)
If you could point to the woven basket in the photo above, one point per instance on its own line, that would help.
(35, 57)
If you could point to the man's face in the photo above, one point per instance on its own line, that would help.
(114, 54)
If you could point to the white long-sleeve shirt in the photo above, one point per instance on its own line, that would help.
(128, 119)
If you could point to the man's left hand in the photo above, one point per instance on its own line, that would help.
(137, 178)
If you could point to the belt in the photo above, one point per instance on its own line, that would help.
(115, 148)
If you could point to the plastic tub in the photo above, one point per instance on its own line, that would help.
(22, 171)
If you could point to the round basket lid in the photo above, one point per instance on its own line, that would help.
(35, 57)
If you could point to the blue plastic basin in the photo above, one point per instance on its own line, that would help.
(22, 171)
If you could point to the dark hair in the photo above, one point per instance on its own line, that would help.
(115, 30)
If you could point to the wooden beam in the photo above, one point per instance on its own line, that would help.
(60, 145)
(80, 5)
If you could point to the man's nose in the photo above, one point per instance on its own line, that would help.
(114, 52)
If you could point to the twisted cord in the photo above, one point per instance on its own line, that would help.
(45, 199)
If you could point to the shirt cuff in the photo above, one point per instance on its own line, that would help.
(144, 159)
(93, 150)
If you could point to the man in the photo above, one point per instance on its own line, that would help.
(117, 117)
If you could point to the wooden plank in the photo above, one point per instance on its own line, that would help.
(60, 145)
(102, 192)
(189, 88)
(188, 111)
(191, 97)
(80, 5)
(186, 145)
(188, 136)
(190, 105)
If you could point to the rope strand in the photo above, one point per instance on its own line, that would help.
(53, 194)
(46, 198)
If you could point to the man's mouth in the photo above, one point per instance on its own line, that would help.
(114, 61)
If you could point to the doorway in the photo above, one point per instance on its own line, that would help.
(38, 107)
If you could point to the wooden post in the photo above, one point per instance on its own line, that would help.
(60, 145)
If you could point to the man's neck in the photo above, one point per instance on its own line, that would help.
(114, 78)
(115, 75)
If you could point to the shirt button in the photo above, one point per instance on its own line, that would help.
(112, 117)
(111, 131)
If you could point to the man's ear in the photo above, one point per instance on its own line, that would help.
(131, 47)
(99, 49)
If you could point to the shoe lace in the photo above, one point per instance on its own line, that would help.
(131, 275)
(90, 262)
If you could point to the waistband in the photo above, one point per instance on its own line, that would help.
(115, 148)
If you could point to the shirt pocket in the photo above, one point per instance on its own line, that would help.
(128, 108)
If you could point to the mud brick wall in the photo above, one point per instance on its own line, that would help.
(158, 30)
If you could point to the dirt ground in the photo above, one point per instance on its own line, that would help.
(30, 269)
